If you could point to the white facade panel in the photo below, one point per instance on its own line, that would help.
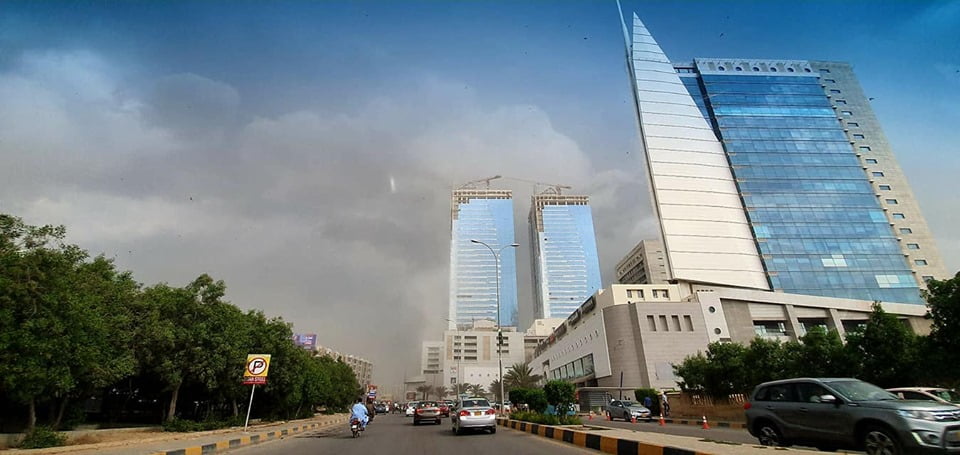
(694, 253)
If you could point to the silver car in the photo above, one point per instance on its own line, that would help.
(627, 410)
(841, 413)
(473, 413)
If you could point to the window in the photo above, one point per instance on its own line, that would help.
(810, 393)
(832, 81)
(688, 321)
(773, 69)
(906, 231)
(756, 68)
(927, 278)
(629, 294)
(899, 216)
(781, 392)
(913, 246)
(834, 91)
(676, 322)
(789, 70)
(824, 70)
(853, 124)
(663, 323)
(864, 148)
(721, 68)
(652, 323)
(841, 101)
(859, 136)
(739, 68)
(877, 174)
(846, 113)
(869, 161)
(884, 187)
(891, 201)
(920, 261)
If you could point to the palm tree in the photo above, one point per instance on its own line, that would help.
(424, 389)
(441, 391)
(495, 389)
(520, 376)
(475, 390)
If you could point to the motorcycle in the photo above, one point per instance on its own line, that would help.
(356, 427)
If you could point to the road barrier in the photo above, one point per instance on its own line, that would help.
(605, 444)
(246, 440)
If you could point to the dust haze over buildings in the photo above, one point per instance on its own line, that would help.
(310, 166)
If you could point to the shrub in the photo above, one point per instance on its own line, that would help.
(545, 419)
(560, 394)
(42, 437)
(654, 398)
(535, 399)
(185, 426)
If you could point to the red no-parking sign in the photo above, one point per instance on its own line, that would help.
(258, 365)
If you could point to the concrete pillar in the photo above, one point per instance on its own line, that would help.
(794, 329)
(835, 323)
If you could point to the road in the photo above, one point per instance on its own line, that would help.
(396, 435)
(714, 433)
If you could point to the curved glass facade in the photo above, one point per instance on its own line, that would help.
(818, 224)
(486, 216)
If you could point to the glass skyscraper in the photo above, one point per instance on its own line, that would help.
(566, 269)
(828, 209)
(485, 215)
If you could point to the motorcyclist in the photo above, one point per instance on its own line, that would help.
(359, 412)
(371, 410)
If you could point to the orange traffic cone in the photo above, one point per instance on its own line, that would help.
(591, 416)
(662, 422)
(706, 426)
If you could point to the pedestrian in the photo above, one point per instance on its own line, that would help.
(648, 402)
(664, 403)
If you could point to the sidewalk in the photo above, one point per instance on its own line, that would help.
(611, 440)
(199, 442)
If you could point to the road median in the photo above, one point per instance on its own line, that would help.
(633, 442)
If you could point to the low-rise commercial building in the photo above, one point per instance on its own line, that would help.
(640, 331)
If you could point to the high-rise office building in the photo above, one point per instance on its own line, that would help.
(774, 174)
(566, 269)
(644, 264)
(485, 215)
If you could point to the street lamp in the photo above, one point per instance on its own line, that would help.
(459, 356)
(496, 256)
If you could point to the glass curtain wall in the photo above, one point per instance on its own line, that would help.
(817, 222)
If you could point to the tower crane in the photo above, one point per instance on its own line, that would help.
(473, 183)
(551, 188)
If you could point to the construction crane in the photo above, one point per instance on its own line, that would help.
(552, 188)
(473, 183)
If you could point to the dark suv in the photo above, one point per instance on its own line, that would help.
(848, 413)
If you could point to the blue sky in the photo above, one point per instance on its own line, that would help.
(256, 140)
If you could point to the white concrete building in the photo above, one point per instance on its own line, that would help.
(644, 264)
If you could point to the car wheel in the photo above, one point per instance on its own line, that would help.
(880, 441)
(769, 435)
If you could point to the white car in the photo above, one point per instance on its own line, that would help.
(474, 413)
(411, 408)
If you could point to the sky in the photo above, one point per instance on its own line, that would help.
(304, 152)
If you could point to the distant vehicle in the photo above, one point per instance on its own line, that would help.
(945, 396)
(627, 410)
(427, 411)
(508, 406)
(846, 413)
(411, 408)
(474, 413)
(380, 408)
(444, 408)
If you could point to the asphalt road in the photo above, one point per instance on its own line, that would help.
(714, 433)
(396, 435)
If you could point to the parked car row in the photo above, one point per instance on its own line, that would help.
(846, 413)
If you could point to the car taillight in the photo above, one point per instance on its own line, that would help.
(490, 411)
(464, 413)
(419, 411)
(746, 405)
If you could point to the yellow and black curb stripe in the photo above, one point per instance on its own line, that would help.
(219, 446)
(739, 425)
(605, 444)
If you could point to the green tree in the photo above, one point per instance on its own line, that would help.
(942, 348)
(520, 376)
(476, 390)
(764, 360)
(495, 390)
(561, 394)
(424, 389)
(885, 348)
(441, 391)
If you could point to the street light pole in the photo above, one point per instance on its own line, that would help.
(496, 257)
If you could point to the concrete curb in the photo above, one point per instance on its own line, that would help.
(247, 440)
(605, 444)
(691, 421)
